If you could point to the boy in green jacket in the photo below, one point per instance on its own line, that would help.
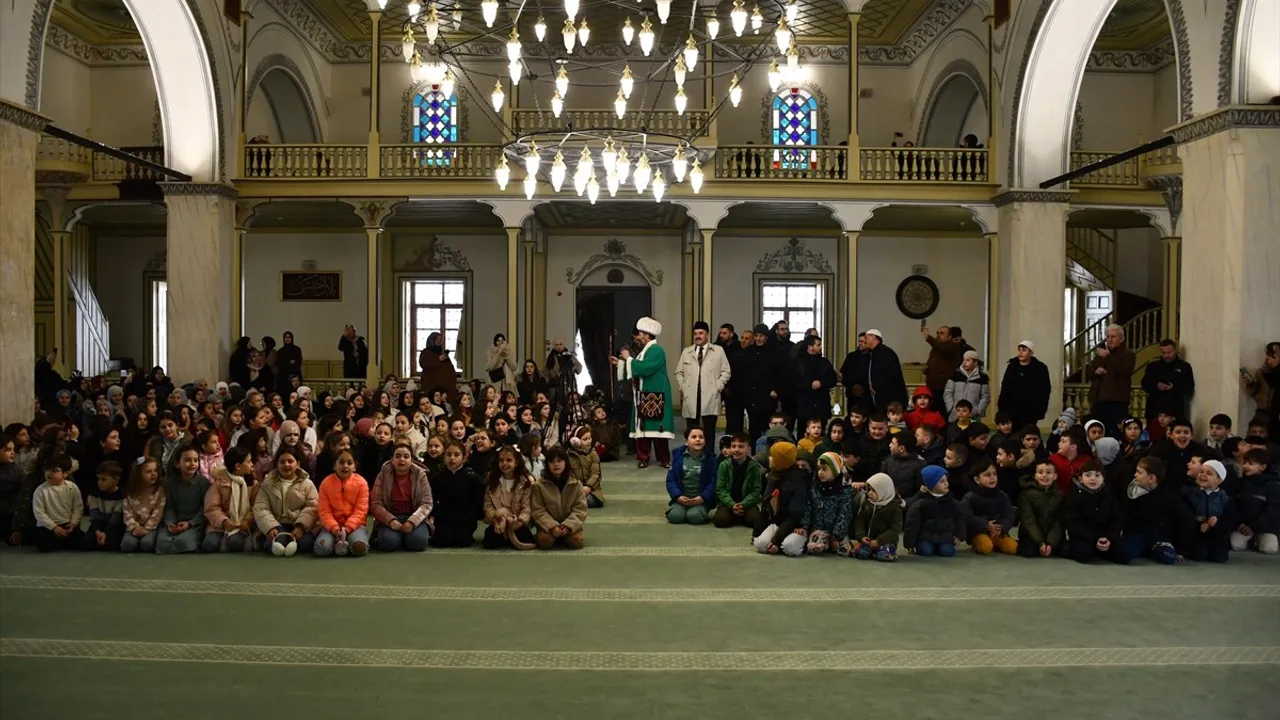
(1041, 519)
(738, 484)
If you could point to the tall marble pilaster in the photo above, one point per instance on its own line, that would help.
(19, 136)
(1230, 283)
(200, 247)
(1031, 254)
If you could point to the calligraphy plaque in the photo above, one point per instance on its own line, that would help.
(302, 286)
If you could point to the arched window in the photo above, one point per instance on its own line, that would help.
(794, 124)
(435, 122)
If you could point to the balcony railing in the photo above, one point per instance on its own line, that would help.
(1131, 173)
(294, 162)
(658, 121)
(924, 165)
(449, 161)
(769, 162)
(110, 169)
(56, 154)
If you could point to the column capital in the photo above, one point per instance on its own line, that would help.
(198, 189)
(244, 212)
(23, 117)
(373, 212)
(1171, 240)
(1231, 117)
(1008, 196)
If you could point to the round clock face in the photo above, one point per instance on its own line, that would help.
(917, 297)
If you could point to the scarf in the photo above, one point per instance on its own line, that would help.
(1135, 491)
(238, 503)
(167, 449)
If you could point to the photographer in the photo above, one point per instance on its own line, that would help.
(500, 364)
(561, 367)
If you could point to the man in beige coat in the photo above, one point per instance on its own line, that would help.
(701, 375)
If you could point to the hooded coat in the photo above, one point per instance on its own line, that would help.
(915, 417)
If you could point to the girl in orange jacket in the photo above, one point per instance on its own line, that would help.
(344, 508)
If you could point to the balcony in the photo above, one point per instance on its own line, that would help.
(657, 121)
(60, 161)
(1132, 173)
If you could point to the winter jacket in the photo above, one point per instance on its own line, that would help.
(1160, 515)
(286, 502)
(854, 373)
(830, 509)
(553, 505)
(584, 466)
(974, 387)
(915, 417)
(184, 499)
(905, 472)
(983, 505)
(519, 504)
(757, 379)
(1024, 392)
(882, 524)
(494, 359)
(457, 495)
(371, 457)
(344, 504)
(419, 495)
(217, 500)
(1041, 513)
(884, 371)
(710, 377)
(933, 519)
(1092, 515)
(438, 373)
(944, 358)
(707, 475)
(355, 356)
(1258, 502)
(1177, 399)
(936, 452)
(752, 484)
(1117, 384)
(811, 403)
(10, 488)
(785, 501)
(1204, 505)
(1067, 470)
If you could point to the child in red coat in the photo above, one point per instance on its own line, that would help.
(922, 412)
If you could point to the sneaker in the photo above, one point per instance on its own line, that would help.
(340, 548)
(359, 549)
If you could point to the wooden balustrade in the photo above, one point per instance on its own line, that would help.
(1076, 395)
(1123, 174)
(305, 161)
(57, 151)
(924, 165)
(770, 162)
(656, 121)
(110, 169)
(448, 161)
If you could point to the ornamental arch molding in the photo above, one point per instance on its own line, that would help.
(282, 83)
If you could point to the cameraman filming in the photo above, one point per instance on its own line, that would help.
(561, 368)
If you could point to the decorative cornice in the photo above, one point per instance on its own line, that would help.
(22, 117)
(197, 188)
(68, 43)
(793, 257)
(927, 29)
(1009, 197)
(444, 257)
(1228, 118)
(35, 50)
(310, 26)
(614, 252)
(1170, 188)
(1156, 57)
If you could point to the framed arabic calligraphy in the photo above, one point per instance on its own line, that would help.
(301, 286)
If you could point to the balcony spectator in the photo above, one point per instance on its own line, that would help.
(288, 363)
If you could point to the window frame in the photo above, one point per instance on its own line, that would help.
(795, 159)
(825, 282)
(435, 153)
(406, 352)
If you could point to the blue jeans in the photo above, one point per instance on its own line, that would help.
(305, 545)
(926, 549)
(325, 542)
(389, 540)
(133, 543)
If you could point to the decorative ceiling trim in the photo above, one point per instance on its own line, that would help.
(35, 51)
(1178, 21)
(1009, 197)
(72, 45)
(1170, 188)
(1227, 118)
(956, 67)
(1227, 52)
(406, 111)
(766, 108)
(283, 63)
(614, 252)
(23, 117)
(926, 29)
(435, 256)
(794, 257)
(1077, 127)
(1156, 57)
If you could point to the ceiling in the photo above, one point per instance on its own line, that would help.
(773, 216)
(1134, 25)
(610, 214)
(100, 22)
(943, 218)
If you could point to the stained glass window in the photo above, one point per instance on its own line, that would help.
(794, 124)
(435, 122)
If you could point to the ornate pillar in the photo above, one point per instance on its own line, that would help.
(60, 219)
(1030, 281)
(1172, 256)
(374, 214)
(513, 308)
(1231, 209)
(19, 135)
(993, 315)
(849, 293)
(527, 248)
(375, 95)
(854, 172)
(201, 233)
(244, 211)
(706, 279)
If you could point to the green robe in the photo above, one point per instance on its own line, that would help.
(649, 370)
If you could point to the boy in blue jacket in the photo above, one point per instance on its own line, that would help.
(691, 480)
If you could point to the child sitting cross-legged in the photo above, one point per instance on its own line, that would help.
(988, 512)
(1095, 520)
(106, 510)
(400, 502)
(691, 480)
(584, 465)
(786, 497)
(457, 493)
(344, 509)
(143, 507)
(1041, 524)
(184, 490)
(508, 492)
(1258, 502)
(57, 506)
(879, 522)
(287, 507)
(559, 506)
(739, 481)
(934, 522)
(228, 505)
(1158, 523)
(830, 510)
(1213, 512)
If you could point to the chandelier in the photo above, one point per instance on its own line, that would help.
(437, 35)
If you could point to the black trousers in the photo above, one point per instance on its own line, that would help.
(759, 423)
(708, 425)
(48, 541)
(453, 534)
(734, 417)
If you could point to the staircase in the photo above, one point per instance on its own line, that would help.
(86, 342)
(1095, 251)
(1142, 331)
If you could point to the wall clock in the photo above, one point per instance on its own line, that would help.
(917, 297)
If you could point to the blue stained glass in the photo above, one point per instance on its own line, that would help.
(794, 123)
(435, 122)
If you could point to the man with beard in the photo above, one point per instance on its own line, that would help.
(884, 373)
(758, 381)
(735, 407)
(783, 355)
(813, 379)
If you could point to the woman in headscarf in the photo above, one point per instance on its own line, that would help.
(238, 365)
(260, 376)
(501, 364)
(288, 361)
(438, 371)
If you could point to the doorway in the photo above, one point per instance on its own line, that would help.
(606, 317)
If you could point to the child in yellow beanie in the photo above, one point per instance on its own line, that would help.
(786, 497)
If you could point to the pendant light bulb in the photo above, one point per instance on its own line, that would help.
(497, 96)
(570, 35)
(593, 189)
(691, 52)
(793, 60)
(416, 72)
(489, 9)
(628, 32)
(659, 186)
(584, 32)
(792, 11)
(609, 156)
(457, 18)
(640, 178)
(646, 37)
(775, 75)
(611, 183)
(448, 84)
(680, 71)
(515, 70)
(571, 8)
(540, 29)
(414, 8)
(628, 82)
(432, 24)
(682, 101)
(513, 46)
(664, 11)
(557, 104)
(532, 160)
(713, 27)
(738, 17)
(735, 91)
(562, 83)
(407, 48)
(530, 186)
(679, 164)
(620, 105)
(782, 34)
(757, 20)
(585, 166)
(579, 183)
(558, 170)
(503, 173)
(695, 177)
(623, 166)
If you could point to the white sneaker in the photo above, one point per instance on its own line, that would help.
(340, 548)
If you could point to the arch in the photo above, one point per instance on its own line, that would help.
(285, 91)
(959, 51)
(950, 105)
(1249, 66)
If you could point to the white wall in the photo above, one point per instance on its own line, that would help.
(123, 106)
(259, 119)
(315, 325)
(1164, 88)
(957, 264)
(733, 289)
(1117, 110)
(123, 294)
(65, 94)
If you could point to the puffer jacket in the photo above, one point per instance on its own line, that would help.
(882, 524)
(905, 472)
(974, 387)
(419, 494)
(982, 505)
(344, 504)
(933, 519)
(1040, 513)
(519, 505)
(584, 466)
(915, 417)
(282, 502)
(1094, 515)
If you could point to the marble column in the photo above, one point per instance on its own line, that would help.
(1172, 285)
(199, 248)
(1031, 252)
(513, 275)
(19, 136)
(993, 360)
(707, 312)
(1230, 224)
(850, 291)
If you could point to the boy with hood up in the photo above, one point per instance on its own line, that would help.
(786, 497)
(922, 412)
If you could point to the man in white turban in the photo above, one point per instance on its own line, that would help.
(649, 419)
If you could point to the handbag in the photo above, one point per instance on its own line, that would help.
(497, 374)
(651, 405)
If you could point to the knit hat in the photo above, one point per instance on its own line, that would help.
(782, 456)
(883, 485)
(701, 325)
(1106, 450)
(1091, 423)
(1027, 344)
(760, 329)
(931, 475)
(834, 463)
(1218, 468)
(289, 426)
(1068, 416)
(970, 354)
(805, 455)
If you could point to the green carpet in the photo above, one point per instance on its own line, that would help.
(650, 620)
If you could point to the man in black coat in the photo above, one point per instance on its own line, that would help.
(355, 353)
(735, 408)
(1025, 388)
(884, 372)
(758, 387)
(853, 373)
(813, 379)
(784, 353)
(1169, 384)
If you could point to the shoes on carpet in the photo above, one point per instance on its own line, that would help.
(341, 547)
